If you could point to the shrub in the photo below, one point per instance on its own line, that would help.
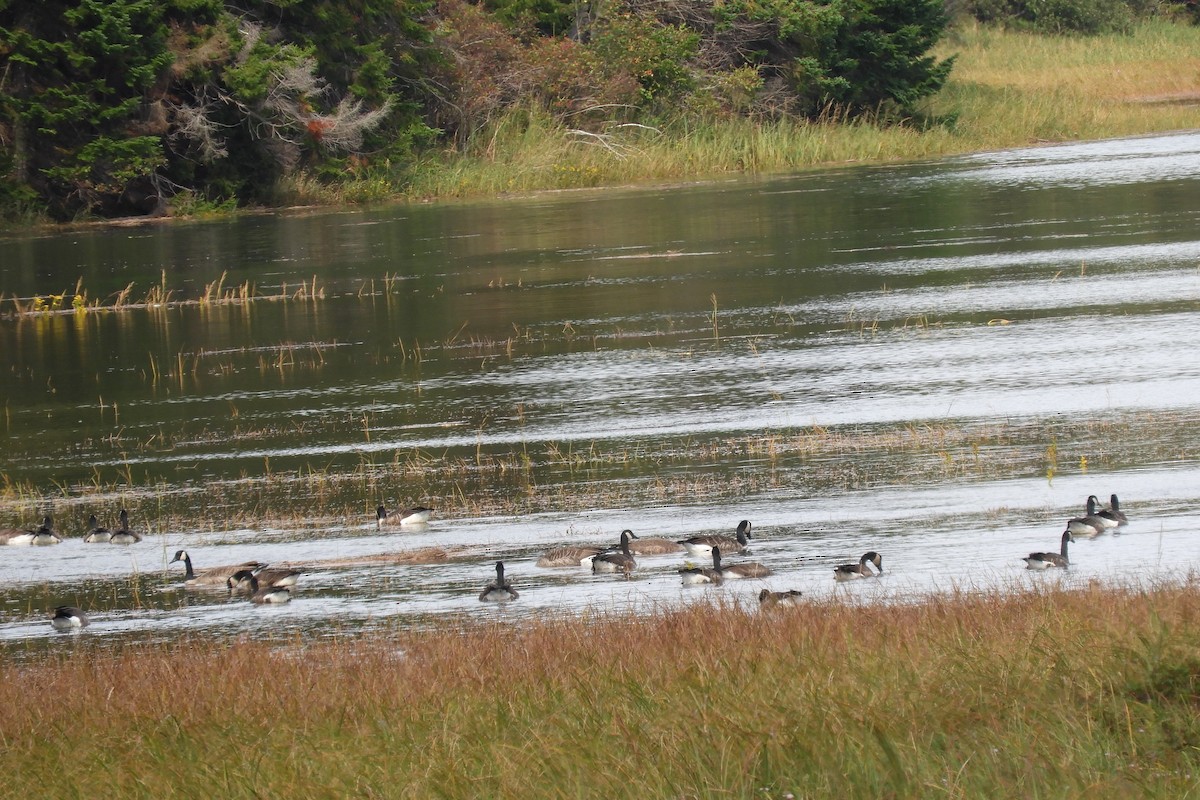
(1087, 17)
(654, 54)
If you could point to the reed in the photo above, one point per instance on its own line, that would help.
(1007, 89)
(1042, 693)
(1012, 88)
(548, 476)
(157, 297)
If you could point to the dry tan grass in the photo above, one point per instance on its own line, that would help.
(1044, 693)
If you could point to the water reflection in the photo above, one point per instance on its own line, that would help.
(936, 361)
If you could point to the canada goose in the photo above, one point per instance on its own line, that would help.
(500, 590)
(45, 534)
(123, 534)
(849, 572)
(569, 555)
(1106, 518)
(703, 545)
(244, 580)
(267, 578)
(1047, 560)
(621, 561)
(1114, 511)
(749, 569)
(695, 576)
(16, 536)
(94, 533)
(67, 618)
(769, 599)
(1091, 525)
(417, 515)
(277, 576)
(211, 576)
(651, 545)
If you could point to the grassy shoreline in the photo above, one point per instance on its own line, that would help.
(1047, 693)
(1007, 89)
(1050, 693)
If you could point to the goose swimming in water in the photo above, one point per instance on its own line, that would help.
(264, 576)
(769, 599)
(499, 590)
(243, 580)
(703, 545)
(1114, 511)
(68, 618)
(747, 569)
(124, 534)
(697, 576)
(45, 534)
(1048, 560)
(417, 515)
(621, 561)
(1091, 524)
(277, 576)
(570, 555)
(849, 572)
(211, 576)
(651, 545)
(582, 554)
(95, 534)
(1106, 518)
(18, 536)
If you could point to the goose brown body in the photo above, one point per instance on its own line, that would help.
(849, 572)
(1048, 560)
(415, 515)
(210, 576)
(747, 569)
(621, 561)
(703, 545)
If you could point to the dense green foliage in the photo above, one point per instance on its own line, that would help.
(117, 107)
(141, 106)
(1086, 17)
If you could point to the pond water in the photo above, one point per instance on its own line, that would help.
(936, 361)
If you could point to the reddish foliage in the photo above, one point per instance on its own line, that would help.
(317, 128)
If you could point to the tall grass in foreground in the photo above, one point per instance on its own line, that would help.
(1007, 89)
(1045, 693)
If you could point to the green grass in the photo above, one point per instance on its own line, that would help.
(1012, 88)
(1039, 694)
(1007, 89)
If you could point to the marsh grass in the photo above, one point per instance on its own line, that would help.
(1007, 89)
(1011, 88)
(1044, 693)
(157, 296)
(473, 481)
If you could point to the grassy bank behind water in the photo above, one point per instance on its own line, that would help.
(1045, 693)
(1007, 89)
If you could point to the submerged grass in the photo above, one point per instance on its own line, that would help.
(1046, 693)
(157, 296)
(572, 477)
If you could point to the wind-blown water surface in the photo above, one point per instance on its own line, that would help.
(936, 361)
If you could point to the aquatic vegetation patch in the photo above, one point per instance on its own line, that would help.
(157, 296)
(478, 481)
